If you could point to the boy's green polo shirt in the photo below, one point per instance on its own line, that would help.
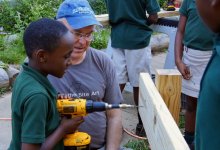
(196, 35)
(34, 112)
(129, 22)
(208, 109)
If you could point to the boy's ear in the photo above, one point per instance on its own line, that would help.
(41, 56)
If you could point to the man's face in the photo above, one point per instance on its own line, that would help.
(59, 59)
(209, 10)
(82, 39)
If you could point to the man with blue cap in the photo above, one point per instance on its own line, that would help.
(91, 76)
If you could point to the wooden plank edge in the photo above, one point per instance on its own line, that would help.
(161, 129)
(104, 18)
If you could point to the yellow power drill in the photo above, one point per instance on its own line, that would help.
(81, 107)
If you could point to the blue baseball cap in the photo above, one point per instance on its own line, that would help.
(78, 13)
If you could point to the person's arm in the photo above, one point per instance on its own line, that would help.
(112, 96)
(152, 8)
(179, 48)
(66, 126)
(114, 129)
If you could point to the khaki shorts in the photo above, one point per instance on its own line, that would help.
(197, 61)
(130, 63)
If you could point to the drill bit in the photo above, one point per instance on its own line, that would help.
(122, 106)
(127, 106)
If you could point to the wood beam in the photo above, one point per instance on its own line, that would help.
(104, 19)
(161, 129)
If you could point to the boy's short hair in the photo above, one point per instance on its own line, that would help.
(43, 34)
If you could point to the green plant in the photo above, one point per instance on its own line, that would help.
(101, 38)
(137, 144)
(98, 6)
(163, 3)
(182, 121)
(2, 43)
(13, 51)
(17, 15)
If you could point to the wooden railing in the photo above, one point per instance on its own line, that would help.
(104, 20)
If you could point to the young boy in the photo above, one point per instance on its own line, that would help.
(208, 114)
(35, 119)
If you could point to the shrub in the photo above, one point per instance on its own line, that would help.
(101, 38)
(163, 3)
(137, 145)
(17, 15)
(12, 52)
(98, 6)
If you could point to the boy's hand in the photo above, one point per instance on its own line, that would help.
(70, 125)
(184, 70)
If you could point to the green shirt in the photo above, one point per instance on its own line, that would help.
(208, 109)
(197, 35)
(129, 22)
(34, 112)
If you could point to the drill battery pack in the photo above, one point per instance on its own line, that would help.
(77, 141)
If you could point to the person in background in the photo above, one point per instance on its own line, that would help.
(130, 37)
(208, 114)
(91, 76)
(36, 122)
(193, 49)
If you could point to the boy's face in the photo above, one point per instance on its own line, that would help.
(209, 10)
(59, 59)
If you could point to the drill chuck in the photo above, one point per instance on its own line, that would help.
(92, 106)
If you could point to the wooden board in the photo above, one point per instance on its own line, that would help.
(104, 19)
(161, 129)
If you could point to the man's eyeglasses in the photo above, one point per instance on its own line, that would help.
(87, 37)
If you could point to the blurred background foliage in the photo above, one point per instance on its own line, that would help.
(17, 14)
